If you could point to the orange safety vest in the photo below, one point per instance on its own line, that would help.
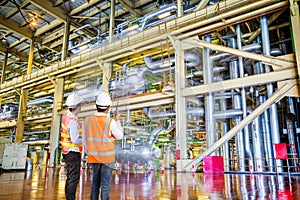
(100, 143)
(65, 138)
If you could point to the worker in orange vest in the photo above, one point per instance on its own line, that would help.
(99, 139)
(71, 142)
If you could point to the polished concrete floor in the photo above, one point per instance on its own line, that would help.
(48, 183)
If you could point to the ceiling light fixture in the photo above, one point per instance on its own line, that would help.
(33, 23)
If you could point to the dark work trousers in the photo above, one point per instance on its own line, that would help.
(101, 180)
(73, 160)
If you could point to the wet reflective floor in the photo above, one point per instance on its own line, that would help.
(48, 183)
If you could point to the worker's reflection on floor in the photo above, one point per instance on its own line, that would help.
(48, 183)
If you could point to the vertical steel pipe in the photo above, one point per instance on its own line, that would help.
(236, 101)
(210, 122)
(112, 20)
(225, 125)
(248, 153)
(292, 137)
(292, 107)
(267, 138)
(270, 87)
(257, 144)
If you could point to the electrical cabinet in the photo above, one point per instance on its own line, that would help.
(14, 156)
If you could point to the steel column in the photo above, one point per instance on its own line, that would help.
(23, 99)
(55, 122)
(181, 119)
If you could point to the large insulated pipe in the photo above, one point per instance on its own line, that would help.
(257, 126)
(250, 47)
(292, 106)
(167, 114)
(258, 69)
(225, 125)
(223, 114)
(154, 134)
(217, 69)
(267, 137)
(226, 114)
(210, 122)
(262, 188)
(191, 60)
(270, 87)
(158, 130)
(156, 13)
(160, 21)
(47, 99)
(248, 153)
(257, 144)
(128, 118)
(292, 136)
(112, 20)
(234, 74)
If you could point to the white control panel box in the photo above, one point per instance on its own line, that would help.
(14, 156)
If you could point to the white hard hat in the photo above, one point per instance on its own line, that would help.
(73, 100)
(103, 100)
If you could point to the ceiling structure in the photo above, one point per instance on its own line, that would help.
(23, 21)
(43, 22)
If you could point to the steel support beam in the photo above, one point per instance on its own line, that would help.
(4, 68)
(268, 60)
(14, 26)
(107, 70)
(57, 12)
(202, 4)
(129, 6)
(21, 116)
(242, 82)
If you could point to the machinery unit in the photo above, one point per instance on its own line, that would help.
(14, 156)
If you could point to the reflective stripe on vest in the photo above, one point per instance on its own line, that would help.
(99, 142)
(65, 139)
(102, 154)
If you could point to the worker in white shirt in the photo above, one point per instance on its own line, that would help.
(71, 134)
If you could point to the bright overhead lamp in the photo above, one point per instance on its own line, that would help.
(33, 23)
